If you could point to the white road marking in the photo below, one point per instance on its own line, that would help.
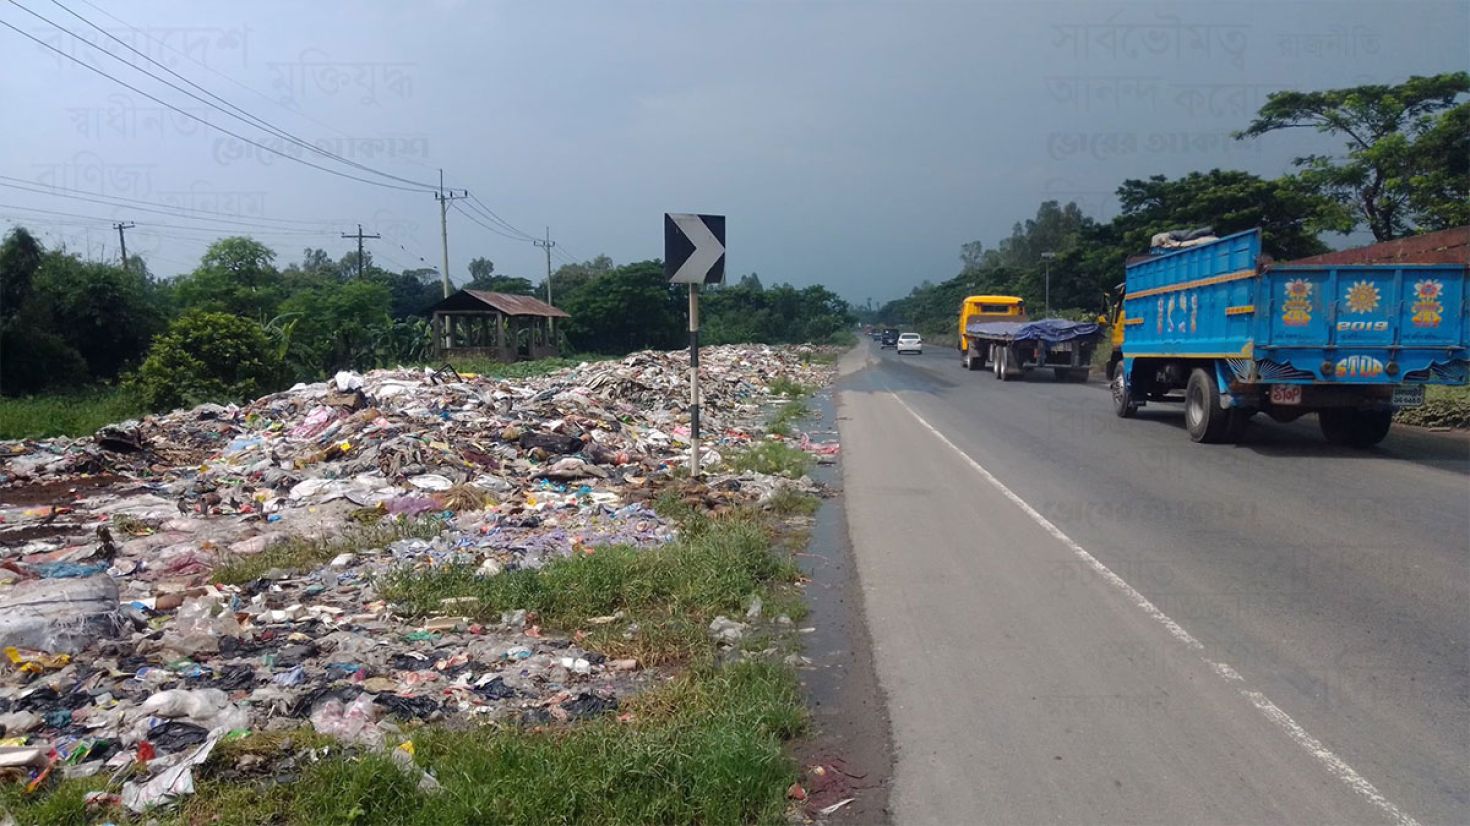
(1323, 755)
(1342, 771)
(1225, 671)
(1102, 570)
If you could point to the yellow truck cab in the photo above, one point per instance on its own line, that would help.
(1116, 323)
(989, 308)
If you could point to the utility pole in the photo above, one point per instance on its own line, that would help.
(1046, 258)
(547, 245)
(359, 236)
(122, 240)
(444, 198)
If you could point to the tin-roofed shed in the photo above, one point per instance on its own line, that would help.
(499, 326)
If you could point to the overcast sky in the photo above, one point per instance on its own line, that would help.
(852, 144)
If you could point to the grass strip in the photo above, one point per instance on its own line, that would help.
(1443, 407)
(773, 458)
(705, 748)
(73, 414)
(298, 553)
(671, 592)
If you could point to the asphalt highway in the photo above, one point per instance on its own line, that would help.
(1083, 619)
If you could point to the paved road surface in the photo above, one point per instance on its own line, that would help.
(1082, 619)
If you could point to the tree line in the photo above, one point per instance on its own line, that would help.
(1403, 167)
(238, 325)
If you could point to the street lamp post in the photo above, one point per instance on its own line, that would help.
(1046, 258)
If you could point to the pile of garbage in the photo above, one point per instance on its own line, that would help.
(124, 645)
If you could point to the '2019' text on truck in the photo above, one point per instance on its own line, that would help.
(1239, 335)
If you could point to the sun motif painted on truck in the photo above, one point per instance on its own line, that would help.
(1428, 302)
(1363, 297)
(1297, 309)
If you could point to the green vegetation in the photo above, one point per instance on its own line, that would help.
(782, 386)
(1407, 145)
(792, 502)
(1403, 170)
(705, 748)
(298, 553)
(66, 323)
(1443, 407)
(80, 414)
(774, 458)
(788, 414)
(207, 356)
(672, 591)
(781, 314)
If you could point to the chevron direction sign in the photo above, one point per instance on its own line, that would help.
(694, 248)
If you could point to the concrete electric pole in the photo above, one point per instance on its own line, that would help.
(547, 245)
(122, 240)
(445, 198)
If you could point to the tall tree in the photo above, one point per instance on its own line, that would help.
(107, 313)
(481, 269)
(569, 277)
(20, 258)
(1379, 181)
(235, 275)
(1439, 193)
(630, 308)
(1288, 213)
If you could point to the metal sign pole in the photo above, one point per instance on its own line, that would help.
(694, 380)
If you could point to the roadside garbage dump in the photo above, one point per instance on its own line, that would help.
(193, 577)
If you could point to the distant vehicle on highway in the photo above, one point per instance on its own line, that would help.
(1014, 348)
(987, 308)
(1350, 335)
(889, 339)
(909, 343)
(996, 333)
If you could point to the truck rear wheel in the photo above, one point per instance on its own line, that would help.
(1205, 420)
(1354, 428)
(1005, 364)
(974, 360)
(1124, 407)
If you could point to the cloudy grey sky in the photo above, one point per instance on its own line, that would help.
(853, 144)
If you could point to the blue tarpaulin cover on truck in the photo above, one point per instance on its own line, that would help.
(1050, 330)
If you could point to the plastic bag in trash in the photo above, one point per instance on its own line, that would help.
(351, 723)
(59, 615)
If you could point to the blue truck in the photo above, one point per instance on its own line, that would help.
(1231, 334)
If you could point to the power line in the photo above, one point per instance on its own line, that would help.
(195, 117)
(486, 226)
(243, 116)
(205, 66)
(525, 236)
(84, 195)
(100, 200)
(157, 224)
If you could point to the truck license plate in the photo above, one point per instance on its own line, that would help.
(1408, 396)
(1286, 394)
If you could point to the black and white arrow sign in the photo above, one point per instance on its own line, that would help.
(694, 248)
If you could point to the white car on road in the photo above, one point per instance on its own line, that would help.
(910, 343)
